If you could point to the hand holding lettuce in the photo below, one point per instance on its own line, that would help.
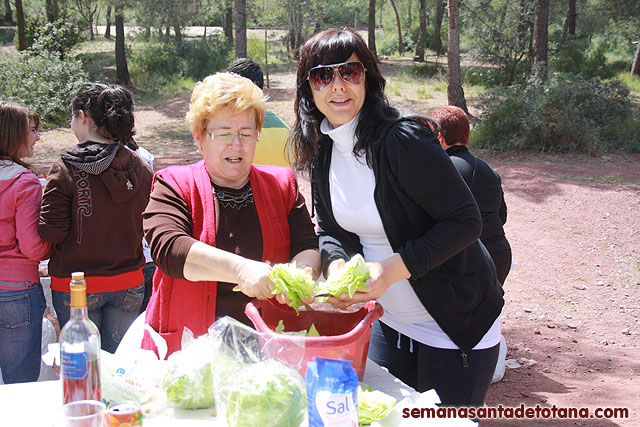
(347, 280)
(296, 283)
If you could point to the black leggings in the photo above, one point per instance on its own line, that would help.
(423, 367)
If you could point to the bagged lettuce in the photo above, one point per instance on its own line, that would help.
(190, 378)
(351, 277)
(294, 282)
(267, 394)
(373, 405)
(190, 387)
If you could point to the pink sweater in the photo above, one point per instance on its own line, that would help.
(21, 248)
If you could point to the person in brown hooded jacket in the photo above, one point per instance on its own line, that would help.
(92, 212)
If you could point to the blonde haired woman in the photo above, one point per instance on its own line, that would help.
(215, 226)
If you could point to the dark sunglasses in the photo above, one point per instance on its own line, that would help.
(68, 120)
(321, 76)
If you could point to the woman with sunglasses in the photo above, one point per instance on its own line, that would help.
(92, 212)
(22, 301)
(215, 226)
(382, 186)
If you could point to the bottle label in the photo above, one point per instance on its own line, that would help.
(74, 365)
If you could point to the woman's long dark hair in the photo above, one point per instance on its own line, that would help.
(110, 108)
(332, 47)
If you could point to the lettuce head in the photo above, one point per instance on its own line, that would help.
(373, 405)
(267, 394)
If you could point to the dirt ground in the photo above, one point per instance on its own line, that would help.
(572, 301)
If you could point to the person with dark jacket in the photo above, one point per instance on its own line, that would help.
(383, 187)
(92, 212)
(483, 181)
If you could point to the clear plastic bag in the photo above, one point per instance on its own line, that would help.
(250, 386)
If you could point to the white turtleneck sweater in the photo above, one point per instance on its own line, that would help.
(351, 184)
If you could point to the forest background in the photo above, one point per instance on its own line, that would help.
(552, 88)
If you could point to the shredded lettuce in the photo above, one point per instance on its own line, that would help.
(312, 332)
(373, 405)
(267, 394)
(348, 279)
(294, 282)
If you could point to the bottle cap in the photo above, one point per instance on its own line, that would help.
(78, 290)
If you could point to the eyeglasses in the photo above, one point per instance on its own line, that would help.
(322, 76)
(68, 120)
(245, 136)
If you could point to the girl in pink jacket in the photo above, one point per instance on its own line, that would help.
(22, 301)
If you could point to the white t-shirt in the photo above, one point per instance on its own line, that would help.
(352, 184)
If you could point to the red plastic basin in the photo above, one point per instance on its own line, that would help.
(344, 335)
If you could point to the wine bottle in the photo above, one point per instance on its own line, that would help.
(79, 348)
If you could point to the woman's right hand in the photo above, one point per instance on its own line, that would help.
(253, 279)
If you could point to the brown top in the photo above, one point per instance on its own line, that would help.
(92, 211)
(168, 227)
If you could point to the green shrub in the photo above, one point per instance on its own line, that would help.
(51, 37)
(204, 57)
(632, 82)
(44, 82)
(7, 35)
(388, 45)
(157, 58)
(568, 113)
(589, 63)
(428, 70)
(165, 63)
(255, 49)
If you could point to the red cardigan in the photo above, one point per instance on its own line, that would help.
(177, 303)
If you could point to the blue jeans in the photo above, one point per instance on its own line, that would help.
(21, 314)
(148, 271)
(112, 312)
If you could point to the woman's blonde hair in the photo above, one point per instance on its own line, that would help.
(224, 90)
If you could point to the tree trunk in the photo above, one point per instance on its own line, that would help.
(228, 22)
(422, 39)
(540, 39)
(107, 30)
(437, 28)
(122, 70)
(455, 93)
(22, 40)
(51, 7)
(410, 18)
(569, 28)
(395, 9)
(176, 28)
(241, 28)
(524, 25)
(372, 27)
(93, 37)
(635, 67)
(8, 16)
